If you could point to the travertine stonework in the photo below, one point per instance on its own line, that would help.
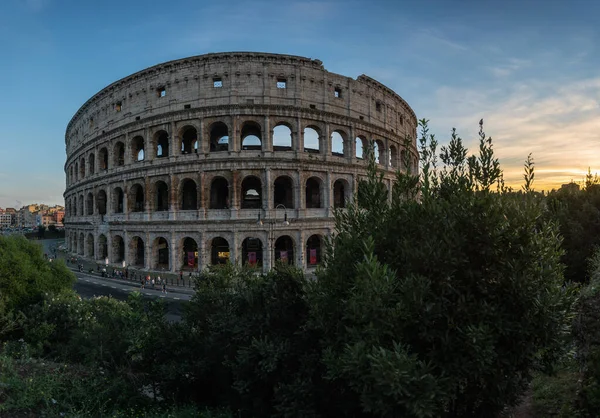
(173, 166)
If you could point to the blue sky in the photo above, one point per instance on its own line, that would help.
(530, 68)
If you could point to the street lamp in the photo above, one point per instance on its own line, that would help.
(285, 221)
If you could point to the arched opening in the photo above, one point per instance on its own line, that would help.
(282, 138)
(360, 148)
(81, 212)
(251, 193)
(80, 250)
(313, 250)
(189, 141)
(82, 168)
(89, 203)
(101, 202)
(340, 189)
(219, 194)
(137, 148)
(252, 253)
(103, 159)
(379, 151)
(118, 249)
(136, 252)
(161, 254)
(189, 195)
(337, 144)
(251, 136)
(284, 250)
(313, 193)
(219, 137)
(136, 198)
(161, 196)
(119, 154)
(393, 156)
(219, 250)
(161, 138)
(403, 161)
(92, 164)
(189, 256)
(102, 247)
(89, 247)
(311, 140)
(118, 200)
(283, 193)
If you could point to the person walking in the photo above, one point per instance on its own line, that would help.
(143, 283)
(164, 288)
(153, 283)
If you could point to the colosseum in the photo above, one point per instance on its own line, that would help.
(227, 156)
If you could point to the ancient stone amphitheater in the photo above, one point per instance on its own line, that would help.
(228, 156)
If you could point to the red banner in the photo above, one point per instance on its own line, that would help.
(252, 258)
(191, 258)
(283, 256)
(313, 256)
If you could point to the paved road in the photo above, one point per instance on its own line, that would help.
(88, 286)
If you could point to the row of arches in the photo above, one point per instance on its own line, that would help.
(219, 196)
(157, 255)
(161, 145)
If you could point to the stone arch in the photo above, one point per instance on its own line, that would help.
(119, 154)
(81, 248)
(161, 196)
(284, 249)
(89, 246)
(160, 254)
(101, 202)
(251, 197)
(189, 195)
(138, 152)
(103, 158)
(341, 193)
(312, 139)
(219, 251)
(161, 144)
(283, 192)
(189, 254)
(118, 249)
(91, 163)
(338, 143)
(251, 136)
(282, 137)
(393, 156)
(136, 198)
(137, 256)
(314, 192)
(219, 137)
(252, 252)
(82, 168)
(379, 151)
(361, 147)
(314, 246)
(219, 193)
(102, 247)
(189, 140)
(118, 200)
(89, 204)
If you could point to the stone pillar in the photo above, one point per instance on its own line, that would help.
(149, 151)
(301, 195)
(350, 150)
(173, 201)
(326, 141)
(301, 250)
(386, 154)
(234, 139)
(267, 135)
(148, 198)
(202, 256)
(174, 255)
(235, 253)
(234, 194)
(268, 188)
(203, 139)
(299, 138)
(125, 200)
(328, 195)
(148, 253)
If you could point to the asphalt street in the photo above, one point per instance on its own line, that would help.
(88, 286)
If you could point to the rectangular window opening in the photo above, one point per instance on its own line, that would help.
(118, 106)
(187, 106)
(378, 106)
(281, 83)
(337, 92)
(162, 91)
(250, 101)
(312, 106)
(137, 118)
(217, 82)
(362, 117)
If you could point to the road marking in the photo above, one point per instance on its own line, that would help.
(176, 298)
(113, 287)
(162, 296)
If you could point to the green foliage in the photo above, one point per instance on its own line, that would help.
(26, 276)
(459, 293)
(556, 395)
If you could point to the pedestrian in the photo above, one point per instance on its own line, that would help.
(164, 288)
(180, 275)
(153, 283)
(158, 279)
(143, 283)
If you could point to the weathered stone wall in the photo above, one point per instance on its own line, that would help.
(179, 100)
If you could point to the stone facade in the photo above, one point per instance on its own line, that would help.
(239, 156)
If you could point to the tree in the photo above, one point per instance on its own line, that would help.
(41, 232)
(440, 306)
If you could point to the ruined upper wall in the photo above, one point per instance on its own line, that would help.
(247, 78)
